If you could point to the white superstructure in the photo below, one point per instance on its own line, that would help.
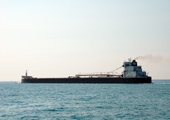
(131, 70)
(26, 76)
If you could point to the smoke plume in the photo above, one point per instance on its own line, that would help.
(153, 58)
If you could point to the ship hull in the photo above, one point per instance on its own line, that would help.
(87, 80)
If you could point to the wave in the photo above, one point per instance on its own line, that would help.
(161, 83)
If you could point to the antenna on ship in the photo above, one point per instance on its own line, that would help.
(26, 73)
(129, 59)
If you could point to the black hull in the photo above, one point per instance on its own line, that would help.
(87, 80)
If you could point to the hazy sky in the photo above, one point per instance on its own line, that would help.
(58, 38)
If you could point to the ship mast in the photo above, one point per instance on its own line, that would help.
(26, 73)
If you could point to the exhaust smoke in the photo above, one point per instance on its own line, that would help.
(154, 58)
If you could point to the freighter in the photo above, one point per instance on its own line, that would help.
(132, 74)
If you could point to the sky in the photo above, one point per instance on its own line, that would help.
(60, 38)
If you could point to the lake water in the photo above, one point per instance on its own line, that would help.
(85, 101)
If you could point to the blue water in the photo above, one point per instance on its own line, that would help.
(85, 101)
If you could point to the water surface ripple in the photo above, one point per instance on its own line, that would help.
(84, 101)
